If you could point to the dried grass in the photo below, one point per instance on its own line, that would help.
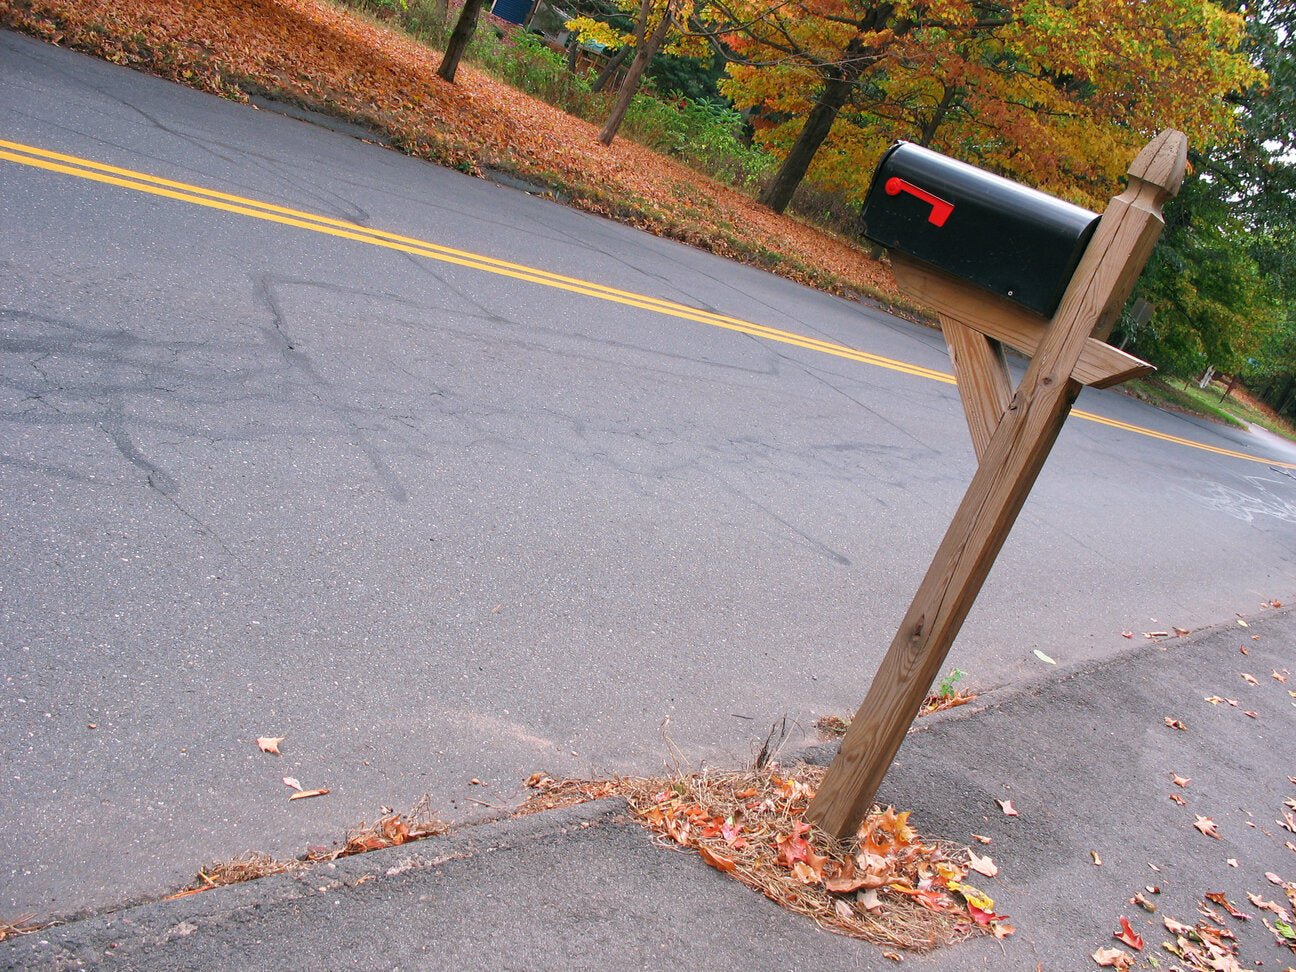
(22, 925)
(742, 822)
(835, 726)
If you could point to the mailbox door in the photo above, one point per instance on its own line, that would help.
(1007, 238)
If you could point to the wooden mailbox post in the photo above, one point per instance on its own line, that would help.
(1012, 432)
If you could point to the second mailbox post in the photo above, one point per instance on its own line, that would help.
(1000, 264)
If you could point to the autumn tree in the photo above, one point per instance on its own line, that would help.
(658, 25)
(1045, 90)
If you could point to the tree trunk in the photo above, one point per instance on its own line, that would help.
(644, 52)
(463, 31)
(610, 69)
(779, 192)
(573, 49)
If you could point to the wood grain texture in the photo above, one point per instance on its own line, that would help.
(1100, 364)
(1016, 453)
(984, 385)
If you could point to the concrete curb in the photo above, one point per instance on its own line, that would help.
(133, 927)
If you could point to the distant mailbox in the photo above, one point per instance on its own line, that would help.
(1007, 238)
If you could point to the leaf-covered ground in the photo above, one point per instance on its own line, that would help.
(322, 57)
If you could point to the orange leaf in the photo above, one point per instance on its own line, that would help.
(1179, 780)
(1207, 826)
(307, 794)
(269, 744)
(1113, 958)
(719, 862)
(1007, 808)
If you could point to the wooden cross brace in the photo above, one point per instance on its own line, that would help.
(1013, 432)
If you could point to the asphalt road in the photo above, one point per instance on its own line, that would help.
(433, 523)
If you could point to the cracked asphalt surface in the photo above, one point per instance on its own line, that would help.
(433, 525)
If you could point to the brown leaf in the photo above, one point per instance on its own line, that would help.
(270, 744)
(1175, 724)
(1096, 859)
(1114, 958)
(843, 909)
(1277, 676)
(307, 794)
(1219, 898)
(893, 956)
(981, 839)
(718, 861)
(292, 782)
(1181, 632)
(1264, 905)
(1007, 807)
(1178, 799)
(1250, 679)
(1251, 715)
(1207, 826)
(1214, 699)
(982, 865)
(538, 781)
(1179, 780)
(1140, 900)
(1273, 878)
(1128, 935)
(1176, 927)
(1002, 929)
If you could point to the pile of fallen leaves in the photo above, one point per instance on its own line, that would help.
(887, 885)
(314, 54)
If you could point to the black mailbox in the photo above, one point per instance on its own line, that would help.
(1015, 241)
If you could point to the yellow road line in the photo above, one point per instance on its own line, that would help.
(183, 192)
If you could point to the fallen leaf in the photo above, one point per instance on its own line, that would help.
(1273, 878)
(1180, 632)
(893, 956)
(1278, 676)
(981, 839)
(1002, 929)
(1179, 780)
(1219, 899)
(475, 782)
(982, 865)
(270, 744)
(1249, 679)
(1214, 699)
(869, 900)
(1007, 807)
(1178, 799)
(1242, 649)
(1113, 958)
(1264, 905)
(1143, 902)
(804, 873)
(1128, 935)
(292, 781)
(718, 861)
(1175, 724)
(1156, 634)
(1207, 826)
(1176, 927)
(1232, 862)
(843, 909)
(1242, 623)
(1251, 715)
(1043, 657)
(1096, 859)
(1127, 634)
(307, 794)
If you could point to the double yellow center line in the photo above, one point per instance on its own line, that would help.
(197, 195)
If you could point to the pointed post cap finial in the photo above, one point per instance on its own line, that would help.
(1162, 162)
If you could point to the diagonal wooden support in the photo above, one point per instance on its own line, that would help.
(983, 381)
(1100, 365)
(1016, 453)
